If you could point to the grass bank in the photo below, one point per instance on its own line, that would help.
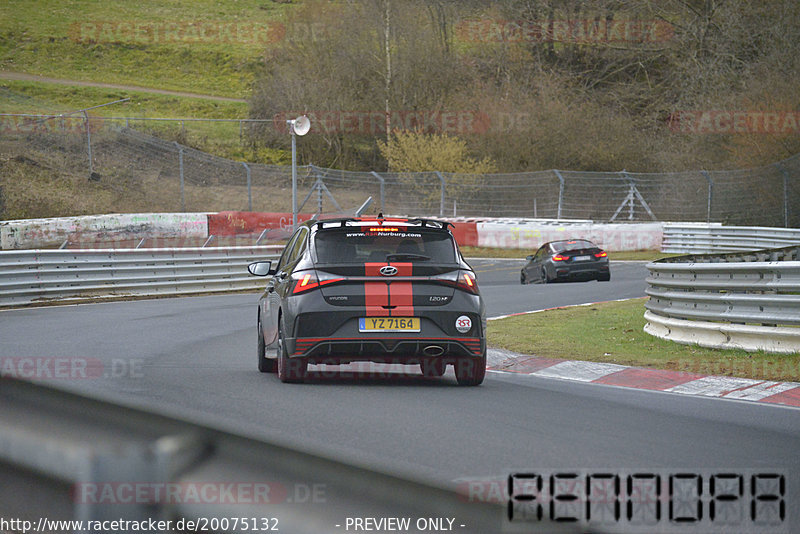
(612, 333)
(210, 47)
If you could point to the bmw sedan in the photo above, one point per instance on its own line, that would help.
(371, 289)
(574, 259)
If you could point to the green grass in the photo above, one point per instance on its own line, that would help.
(486, 252)
(612, 333)
(45, 38)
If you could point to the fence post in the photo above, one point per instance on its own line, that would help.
(710, 193)
(785, 194)
(249, 188)
(379, 177)
(89, 143)
(560, 192)
(441, 201)
(180, 162)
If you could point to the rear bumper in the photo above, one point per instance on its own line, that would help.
(586, 271)
(321, 332)
(384, 349)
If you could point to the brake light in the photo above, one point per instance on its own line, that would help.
(601, 254)
(307, 281)
(559, 257)
(467, 282)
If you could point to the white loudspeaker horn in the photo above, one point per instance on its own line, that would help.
(301, 125)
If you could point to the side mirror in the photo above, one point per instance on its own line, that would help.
(529, 258)
(260, 268)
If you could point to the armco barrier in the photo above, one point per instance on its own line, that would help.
(531, 234)
(749, 300)
(85, 459)
(705, 238)
(46, 275)
(36, 233)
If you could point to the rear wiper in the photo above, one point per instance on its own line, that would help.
(410, 257)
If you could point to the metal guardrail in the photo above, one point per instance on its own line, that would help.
(87, 460)
(706, 238)
(748, 300)
(31, 276)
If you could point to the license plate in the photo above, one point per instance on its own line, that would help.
(388, 324)
(581, 258)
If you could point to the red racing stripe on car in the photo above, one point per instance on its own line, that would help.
(376, 294)
(401, 294)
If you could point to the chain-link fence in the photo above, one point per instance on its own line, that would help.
(148, 173)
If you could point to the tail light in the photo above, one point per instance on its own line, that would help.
(308, 280)
(467, 282)
(601, 254)
(560, 257)
(464, 280)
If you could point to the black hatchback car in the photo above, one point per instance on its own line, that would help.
(574, 259)
(371, 289)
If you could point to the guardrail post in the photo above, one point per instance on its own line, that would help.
(249, 188)
(710, 193)
(560, 192)
(180, 162)
(785, 194)
(441, 200)
(380, 178)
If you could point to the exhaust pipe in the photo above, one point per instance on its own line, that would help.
(433, 350)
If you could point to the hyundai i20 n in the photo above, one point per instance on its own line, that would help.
(381, 290)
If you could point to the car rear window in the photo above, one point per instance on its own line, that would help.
(370, 244)
(572, 244)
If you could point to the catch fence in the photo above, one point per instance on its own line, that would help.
(143, 172)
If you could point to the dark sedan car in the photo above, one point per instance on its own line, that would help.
(574, 259)
(380, 290)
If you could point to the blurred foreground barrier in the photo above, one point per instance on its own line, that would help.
(746, 300)
(64, 457)
(34, 276)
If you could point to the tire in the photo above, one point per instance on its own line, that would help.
(604, 277)
(265, 365)
(432, 367)
(545, 279)
(290, 370)
(522, 279)
(471, 371)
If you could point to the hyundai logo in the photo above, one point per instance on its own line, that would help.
(388, 270)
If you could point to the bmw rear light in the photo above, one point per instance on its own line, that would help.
(308, 280)
(560, 257)
(601, 254)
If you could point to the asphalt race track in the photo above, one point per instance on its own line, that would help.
(195, 358)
